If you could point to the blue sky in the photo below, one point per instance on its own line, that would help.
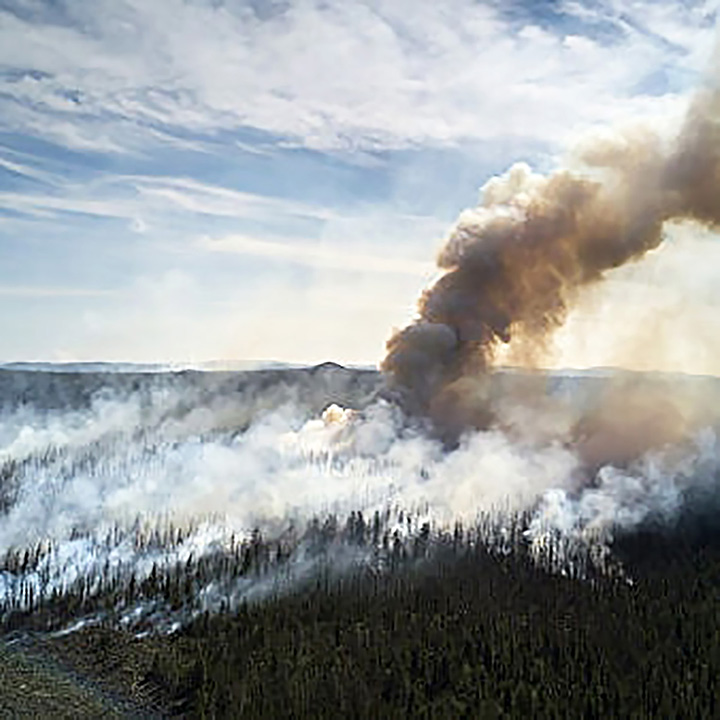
(187, 180)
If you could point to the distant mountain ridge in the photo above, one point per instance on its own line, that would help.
(131, 367)
(244, 366)
(69, 367)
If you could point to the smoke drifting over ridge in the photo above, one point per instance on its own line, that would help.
(515, 264)
(133, 476)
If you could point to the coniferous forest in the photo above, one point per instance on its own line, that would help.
(451, 628)
(378, 615)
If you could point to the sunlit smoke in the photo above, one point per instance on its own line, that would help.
(514, 265)
(146, 479)
(118, 492)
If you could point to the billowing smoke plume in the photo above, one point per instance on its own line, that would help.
(515, 264)
(150, 477)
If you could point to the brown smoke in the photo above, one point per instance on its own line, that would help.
(633, 416)
(514, 265)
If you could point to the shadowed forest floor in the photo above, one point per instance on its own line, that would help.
(35, 684)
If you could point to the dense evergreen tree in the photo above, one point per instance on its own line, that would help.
(456, 629)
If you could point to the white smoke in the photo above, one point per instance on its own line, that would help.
(123, 488)
(655, 486)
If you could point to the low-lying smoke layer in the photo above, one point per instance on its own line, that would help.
(85, 492)
(514, 265)
(133, 486)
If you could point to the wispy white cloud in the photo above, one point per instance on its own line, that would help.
(46, 205)
(132, 196)
(165, 93)
(196, 196)
(359, 74)
(318, 256)
(22, 291)
(26, 170)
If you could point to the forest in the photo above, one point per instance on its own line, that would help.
(461, 625)
(382, 613)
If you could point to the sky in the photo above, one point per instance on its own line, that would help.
(192, 180)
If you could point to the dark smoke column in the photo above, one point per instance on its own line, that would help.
(514, 265)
